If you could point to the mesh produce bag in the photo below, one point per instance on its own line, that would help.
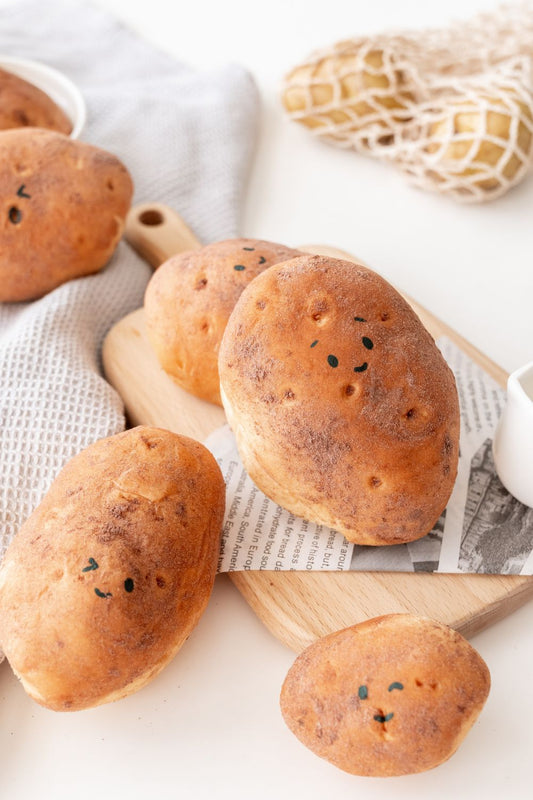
(453, 109)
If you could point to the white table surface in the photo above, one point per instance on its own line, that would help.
(209, 725)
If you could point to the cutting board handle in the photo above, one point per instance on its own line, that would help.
(157, 232)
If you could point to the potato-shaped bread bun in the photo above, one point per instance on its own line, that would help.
(63, 205)
(23, 105)
(110, 574)
(188, 302)
(391, 696)
(344, 411)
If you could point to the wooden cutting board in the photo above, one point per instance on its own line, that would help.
(297, 607)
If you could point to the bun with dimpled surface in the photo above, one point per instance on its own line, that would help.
(344, 411)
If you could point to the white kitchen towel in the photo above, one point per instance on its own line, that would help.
(187, 138)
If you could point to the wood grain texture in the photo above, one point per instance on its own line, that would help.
(299, 607)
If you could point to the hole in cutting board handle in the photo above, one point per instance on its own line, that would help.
(151, 216)
(157, 232)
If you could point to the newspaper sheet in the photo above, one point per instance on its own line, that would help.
(482, 529)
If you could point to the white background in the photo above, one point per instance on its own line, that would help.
(209, 725)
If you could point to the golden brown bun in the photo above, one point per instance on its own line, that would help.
(344, 410)
(63, 205)
(188, 303)
(23, 105)
(391, 696)
(112, 571)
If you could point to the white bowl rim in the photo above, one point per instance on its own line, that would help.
(55, 83)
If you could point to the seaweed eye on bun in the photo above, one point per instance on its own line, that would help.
(343, 408)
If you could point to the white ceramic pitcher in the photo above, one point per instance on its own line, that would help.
(513, 439)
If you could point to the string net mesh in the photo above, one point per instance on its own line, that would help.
(453, 108)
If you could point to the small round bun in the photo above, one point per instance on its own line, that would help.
(110, 574)
(391, 696)
(188, 303)
(344, 411)
(63, 204)
(23, 105)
